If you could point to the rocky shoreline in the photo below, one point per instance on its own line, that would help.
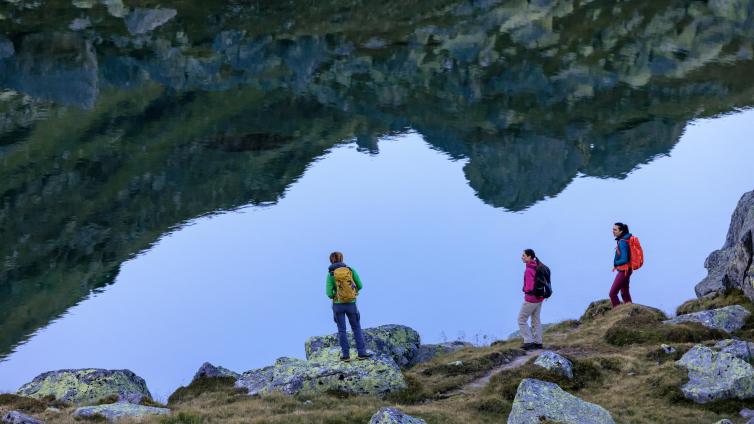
(702, 358)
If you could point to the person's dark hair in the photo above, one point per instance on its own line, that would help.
(622, 227)
(530, 253)
(336, 257)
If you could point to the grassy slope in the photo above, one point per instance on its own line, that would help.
(628, 375)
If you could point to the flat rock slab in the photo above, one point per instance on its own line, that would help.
(208, 370)
(554, 362)
(15, 417)
(538, 400)
(394, 416)
(428, 351)
(88, 385)
(325, 373)
(728, 319)
(142, 21)
(716, 375)
(115, 411)
(399, 342)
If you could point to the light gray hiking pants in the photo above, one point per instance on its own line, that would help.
(533, 335)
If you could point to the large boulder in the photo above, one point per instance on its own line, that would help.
(716, 375)
(728, 319)
(732, 266)
(114, 411)
(428, 351)
(397, 341)
(15, 417)
(208, 370)
(538, 400)
(87, 386)
(142, 21)
(554, 362)
(741, 349)
(325, 373)
(394, 416)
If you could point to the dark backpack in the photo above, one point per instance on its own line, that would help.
(542, 284)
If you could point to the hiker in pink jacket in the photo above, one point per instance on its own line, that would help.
(532, 305)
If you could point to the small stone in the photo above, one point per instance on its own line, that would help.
(747, 413)
(15, 417)
(724, 421)
(667, 348)
(374, 43)
(394, 416)
(554, 362)
(79, 24)
(456, 363)
(142, 21)
(83, 4)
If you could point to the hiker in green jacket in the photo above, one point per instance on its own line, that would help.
(343, 285)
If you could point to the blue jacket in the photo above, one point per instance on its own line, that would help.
(622, 252)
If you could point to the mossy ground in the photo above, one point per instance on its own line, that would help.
(617, 360)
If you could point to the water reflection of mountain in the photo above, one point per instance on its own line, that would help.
(109, 139)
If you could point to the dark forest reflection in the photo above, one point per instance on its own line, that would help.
(119, 122)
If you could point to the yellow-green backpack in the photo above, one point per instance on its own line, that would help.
(345, 287)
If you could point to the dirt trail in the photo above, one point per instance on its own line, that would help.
(479, 383)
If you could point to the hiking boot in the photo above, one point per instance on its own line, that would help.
(345, 359)
(365, 356)
(527, 346)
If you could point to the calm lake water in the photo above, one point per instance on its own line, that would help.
(172, 180)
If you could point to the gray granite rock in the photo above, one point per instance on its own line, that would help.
(747, 413)
(15, 417)
(208, 370)
(540, 400)
(394, 416)
(667, 348)
(323, 373)
(115, 411)
(732, 266)
(399, 342)
(142, 21)
(428, 351)
(87, 386)
(728, 319)
(716, 375)
(80, 24)
(554, 362)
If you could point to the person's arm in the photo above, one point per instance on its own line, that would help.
(330, 290)
(623, 257)
(356, 279)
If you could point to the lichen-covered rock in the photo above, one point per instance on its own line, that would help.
(728, 319)
(208, 370)
(114, 411)
(716, 375)
(724, 421)
(554, 362)
(326, 372)
(428, 351)
(741, 349)
(87, 386)
(397, 341)
(394, 416)
(15, 417)
(142, 21)
(732, 266)
(538, 400)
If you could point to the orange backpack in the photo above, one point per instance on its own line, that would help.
(635, 255)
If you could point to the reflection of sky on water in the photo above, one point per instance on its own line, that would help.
(242, 288)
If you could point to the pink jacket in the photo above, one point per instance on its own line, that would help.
(530, 281)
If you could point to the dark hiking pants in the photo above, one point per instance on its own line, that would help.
(621, 283)
(340, 312)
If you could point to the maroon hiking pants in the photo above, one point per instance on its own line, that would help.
(621, 284)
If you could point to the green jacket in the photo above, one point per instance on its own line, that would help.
(330, 291)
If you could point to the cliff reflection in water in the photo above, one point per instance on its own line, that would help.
(117, 126)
